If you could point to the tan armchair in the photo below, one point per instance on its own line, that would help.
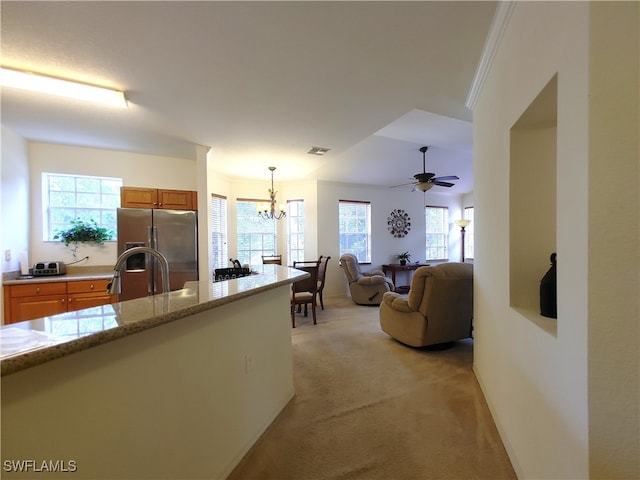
(366, 288)
(438, 309)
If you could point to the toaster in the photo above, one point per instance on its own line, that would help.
(43, 269)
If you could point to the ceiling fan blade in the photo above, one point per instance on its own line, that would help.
(444, 184)
(449, 177)
(402, 185)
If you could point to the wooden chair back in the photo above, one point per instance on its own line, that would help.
(272, 259)
(322, 274)
(308, 284)
(304, 292)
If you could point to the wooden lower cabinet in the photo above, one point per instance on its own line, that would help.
(36, 300)
(87, 293)
(28, 308)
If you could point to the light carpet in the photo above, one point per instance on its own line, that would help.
(368, 407)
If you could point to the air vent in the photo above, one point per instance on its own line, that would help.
(318, 151)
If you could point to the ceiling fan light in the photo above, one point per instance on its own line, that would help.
(424, 186)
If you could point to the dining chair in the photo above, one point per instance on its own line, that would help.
(272, 259)
(322, 271)
(304, 292)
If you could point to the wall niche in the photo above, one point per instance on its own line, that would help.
(532, 203)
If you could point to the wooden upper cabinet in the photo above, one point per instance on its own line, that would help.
(135, 197)
(175, 199)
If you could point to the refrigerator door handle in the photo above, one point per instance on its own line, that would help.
(149, 260)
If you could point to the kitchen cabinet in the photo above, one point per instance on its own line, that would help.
(137, 197)
(36, 300)
(87, 293)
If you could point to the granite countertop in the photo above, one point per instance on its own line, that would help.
(72, 274)
(33, 342)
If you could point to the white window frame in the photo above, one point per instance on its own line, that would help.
(355, 222)
(263, 233)
(59, 210)
(437, 235)
(219, 235)
(295, 231)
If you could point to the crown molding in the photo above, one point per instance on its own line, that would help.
(494, 37)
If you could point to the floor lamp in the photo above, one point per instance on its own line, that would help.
(462, 223)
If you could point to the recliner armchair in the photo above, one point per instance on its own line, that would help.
(438, 309)
(366, 288)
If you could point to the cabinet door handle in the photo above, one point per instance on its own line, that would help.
(91, 287)
(63, 300)
(37, 289)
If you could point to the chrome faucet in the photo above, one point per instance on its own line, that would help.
(114, 287)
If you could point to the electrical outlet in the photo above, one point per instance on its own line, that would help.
(7, 255)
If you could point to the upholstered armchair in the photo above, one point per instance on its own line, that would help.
(438, 309)
(366, 288)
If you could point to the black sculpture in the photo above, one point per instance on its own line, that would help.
(548, 292)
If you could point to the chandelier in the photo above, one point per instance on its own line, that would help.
(269, 210)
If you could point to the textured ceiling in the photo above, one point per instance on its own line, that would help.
(259, 82)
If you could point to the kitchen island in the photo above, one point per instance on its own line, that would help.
(177, 385)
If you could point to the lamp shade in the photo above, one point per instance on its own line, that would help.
(424, 186)
(463, 222)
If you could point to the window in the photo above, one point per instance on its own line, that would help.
(219, 250)
(256, 236)
(437, 222)
(355, 229)
(468, 237)
(67, 197)
(295, 231)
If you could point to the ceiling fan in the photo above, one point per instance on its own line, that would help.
(426, 180)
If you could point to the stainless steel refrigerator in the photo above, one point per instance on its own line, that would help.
(174, 233)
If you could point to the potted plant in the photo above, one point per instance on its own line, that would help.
(83, 232)
(404, 258)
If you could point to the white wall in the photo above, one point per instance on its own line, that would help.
(614, 240)
(541, 383)
(15, 199)
(135, 170)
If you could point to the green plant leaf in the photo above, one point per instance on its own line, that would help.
(83, 232)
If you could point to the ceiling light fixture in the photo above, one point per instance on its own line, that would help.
(423, 186)
(62, 88)
(318, 151)
(268, 210)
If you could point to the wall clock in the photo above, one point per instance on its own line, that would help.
(398, 223)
